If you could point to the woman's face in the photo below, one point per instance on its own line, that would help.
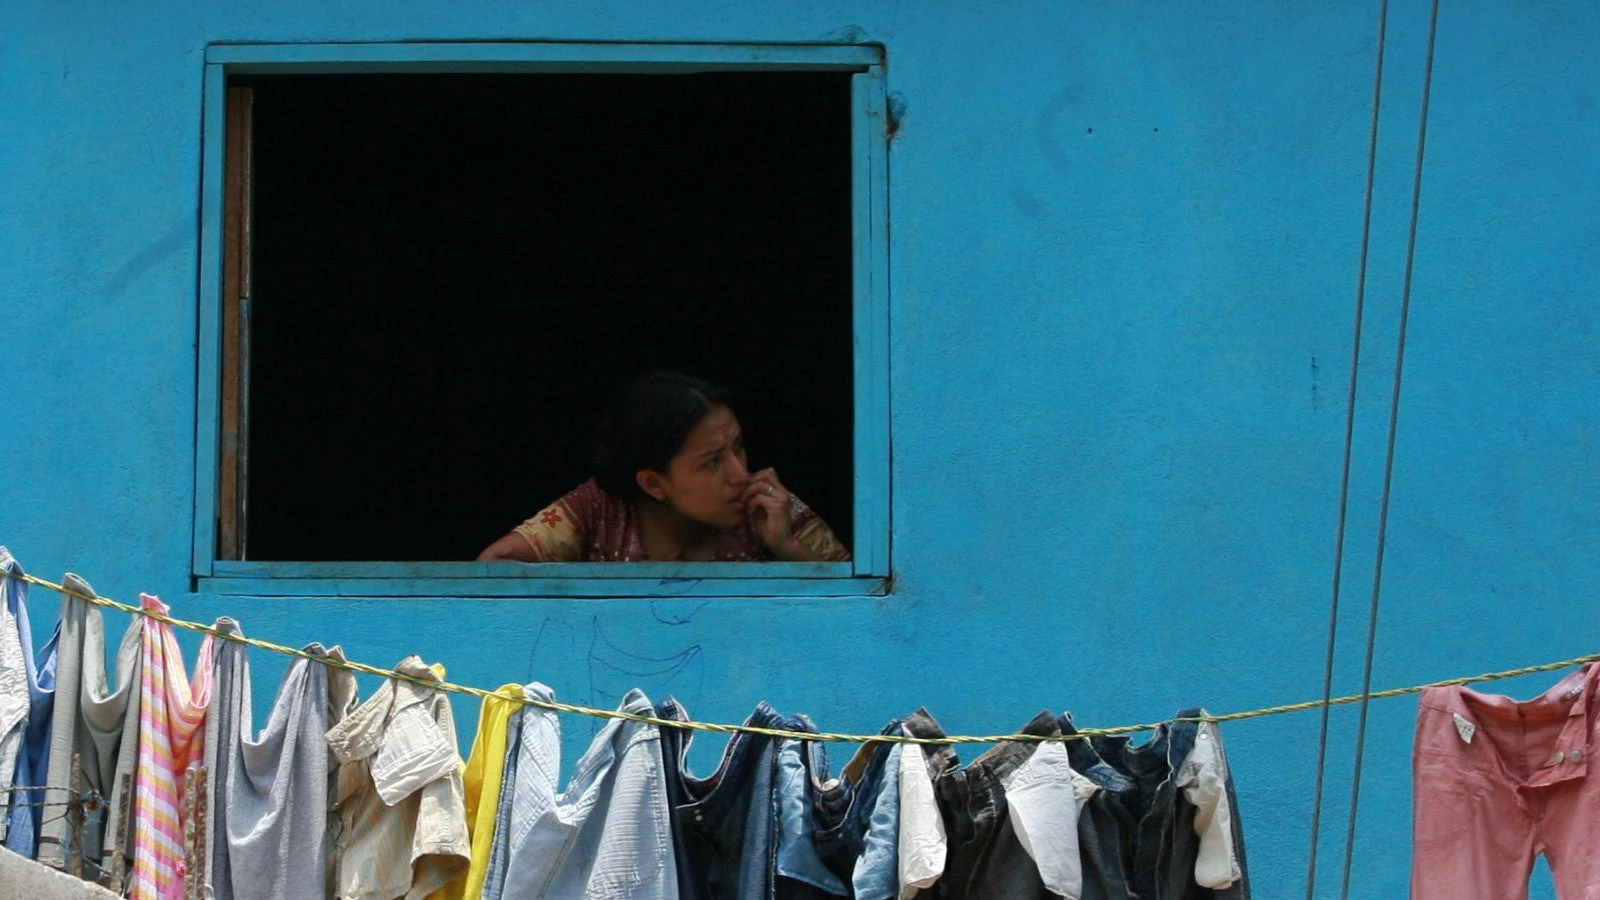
(706, 480)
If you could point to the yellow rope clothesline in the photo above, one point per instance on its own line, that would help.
(779, 732)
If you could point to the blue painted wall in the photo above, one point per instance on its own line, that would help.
(1125, 258)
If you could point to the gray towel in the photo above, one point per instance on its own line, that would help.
(269, 794)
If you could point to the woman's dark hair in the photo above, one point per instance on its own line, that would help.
(646, 425)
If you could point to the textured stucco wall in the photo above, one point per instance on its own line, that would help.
(1124, 268)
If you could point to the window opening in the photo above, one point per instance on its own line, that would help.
(437, 279)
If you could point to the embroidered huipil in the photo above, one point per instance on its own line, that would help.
(172, 712)
(92, 721)
(592, 525)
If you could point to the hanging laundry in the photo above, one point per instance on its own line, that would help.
(922, 842)
(227, 725)
(986, 855)
(1080, 819)
(172, 712)
(875, 875)
(799, 872)
(25, 814)
(494, 881)
(1102, 821)
(483, 776)
(14, 696)
(1497, 782)
(1208, 787)
(269, 793)
(857, 819)
(344, 696)
(723, 826)
(609, 834)
(91, 719)
(939, 760)
(400, 822)
(1043, 799)
(1179, 815)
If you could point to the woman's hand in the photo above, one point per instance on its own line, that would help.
(766, 505)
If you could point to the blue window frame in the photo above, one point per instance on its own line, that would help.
(867, 574)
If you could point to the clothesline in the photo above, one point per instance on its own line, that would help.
(87, 800)
(831, 737)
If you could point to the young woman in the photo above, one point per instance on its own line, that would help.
(671, 482)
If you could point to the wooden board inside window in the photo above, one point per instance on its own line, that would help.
(234, 456)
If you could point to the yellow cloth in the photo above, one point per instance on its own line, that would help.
(486, 769)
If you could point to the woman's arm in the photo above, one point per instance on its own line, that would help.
(553, 534)
(794, 550)
(511, 548)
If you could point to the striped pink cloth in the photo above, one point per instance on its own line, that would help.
(172, 713)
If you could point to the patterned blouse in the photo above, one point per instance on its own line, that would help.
(591, 525)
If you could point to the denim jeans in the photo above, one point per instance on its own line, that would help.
(799, 872)
(1106, 825)
(986, 859)
(1164, 848)
(725, 826)
(877, 871)
(855, 827)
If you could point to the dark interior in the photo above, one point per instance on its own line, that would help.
(451, 273)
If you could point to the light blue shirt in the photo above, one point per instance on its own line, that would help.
(877, 870)
(609, 834)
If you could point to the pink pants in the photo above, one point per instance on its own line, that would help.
(1498, 782)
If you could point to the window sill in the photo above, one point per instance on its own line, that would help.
(539, 580)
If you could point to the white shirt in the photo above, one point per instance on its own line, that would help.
(399, 744)
(923, 845)
(1044, 796)
(1203, 778)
